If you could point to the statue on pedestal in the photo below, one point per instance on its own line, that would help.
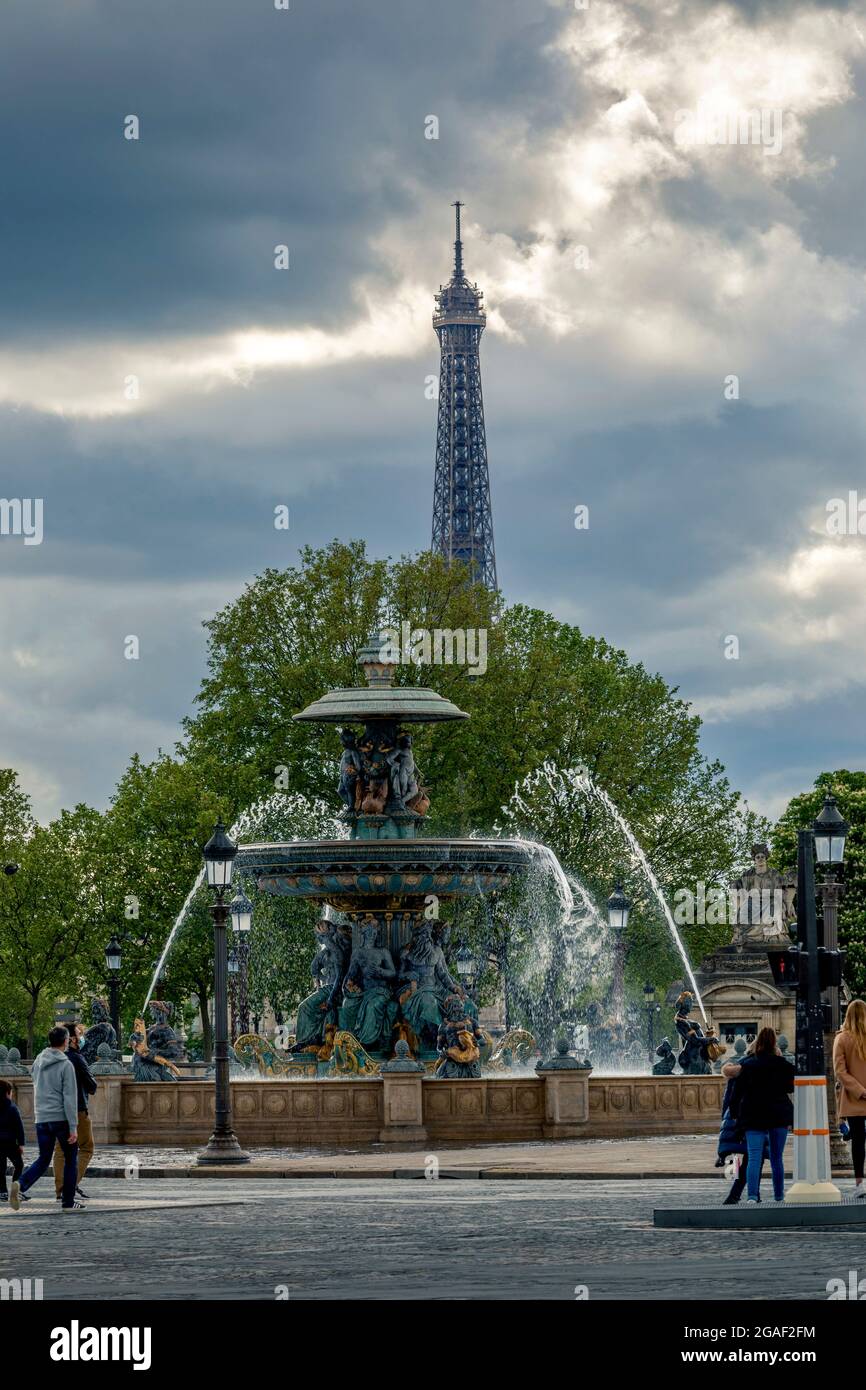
(764, 900)
(328, 969)
(370, 1009)
(457, 1043)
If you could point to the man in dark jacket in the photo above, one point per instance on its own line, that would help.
(87, 1086)
(11, 1138)
(761, 1102)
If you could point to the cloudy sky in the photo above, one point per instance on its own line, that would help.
(163, 387)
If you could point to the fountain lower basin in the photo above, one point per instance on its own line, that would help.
(382, 875)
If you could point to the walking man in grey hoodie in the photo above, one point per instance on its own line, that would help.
(55, 1097)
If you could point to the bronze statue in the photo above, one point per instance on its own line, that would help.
(350, 769)
(404, 783)
(667, 1059)
(327, 969)
(100, 1031)
(370, 1008)
(457, 1043)
(422, 973)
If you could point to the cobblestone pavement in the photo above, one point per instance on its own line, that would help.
(410, 1239)
(667, 1156)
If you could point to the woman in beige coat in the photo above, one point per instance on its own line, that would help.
(849, 1066)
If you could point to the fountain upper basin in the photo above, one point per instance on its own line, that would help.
(384, 874)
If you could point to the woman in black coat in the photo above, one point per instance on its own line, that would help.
(761, 1102)
(732, 1141)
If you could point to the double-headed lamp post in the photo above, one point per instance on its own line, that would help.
(824, 841)
(618, 908)
(113, 962)
(219, 857)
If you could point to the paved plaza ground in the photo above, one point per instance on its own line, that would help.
(676, 1156)
(380, 1239)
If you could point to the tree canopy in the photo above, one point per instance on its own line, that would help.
(849, 789)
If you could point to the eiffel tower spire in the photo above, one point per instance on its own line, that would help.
(462, 515)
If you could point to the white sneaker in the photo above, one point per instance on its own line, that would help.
(860, 1192)
(15, 1196)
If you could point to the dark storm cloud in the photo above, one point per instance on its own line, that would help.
(258, 128)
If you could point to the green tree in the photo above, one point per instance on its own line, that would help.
(160, 817)
(849, 789)
(52, 912)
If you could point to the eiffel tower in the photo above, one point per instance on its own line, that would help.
(462, 515)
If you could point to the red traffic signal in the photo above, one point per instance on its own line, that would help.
(785, 966)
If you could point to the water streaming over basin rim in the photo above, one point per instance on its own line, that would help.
(384, 869)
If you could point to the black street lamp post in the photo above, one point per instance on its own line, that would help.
(219, 856)
(830, 831)
(242, 918)
(649, 998)
(618, 908)
(113, 962)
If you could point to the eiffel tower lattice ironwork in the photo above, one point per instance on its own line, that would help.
(462, 515)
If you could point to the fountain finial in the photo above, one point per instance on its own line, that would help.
(377, 660)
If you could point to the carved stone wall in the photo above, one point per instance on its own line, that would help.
(623, 1107)
(401, 1109)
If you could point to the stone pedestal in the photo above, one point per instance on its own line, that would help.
(738, 989)
(403, 1109)
(566, 1104)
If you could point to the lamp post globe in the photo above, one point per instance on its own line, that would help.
(830, 831)
(242, 912)
(219, 859)
(618, 908)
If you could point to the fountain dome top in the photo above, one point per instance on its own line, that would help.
(379, 698)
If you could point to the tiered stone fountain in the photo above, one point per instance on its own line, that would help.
(385, 978)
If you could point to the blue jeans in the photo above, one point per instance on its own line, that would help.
(755, 1141)
(55, 1132)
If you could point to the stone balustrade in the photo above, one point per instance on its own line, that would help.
(401, 1108)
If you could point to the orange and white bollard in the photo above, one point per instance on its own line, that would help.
(812, 1172)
